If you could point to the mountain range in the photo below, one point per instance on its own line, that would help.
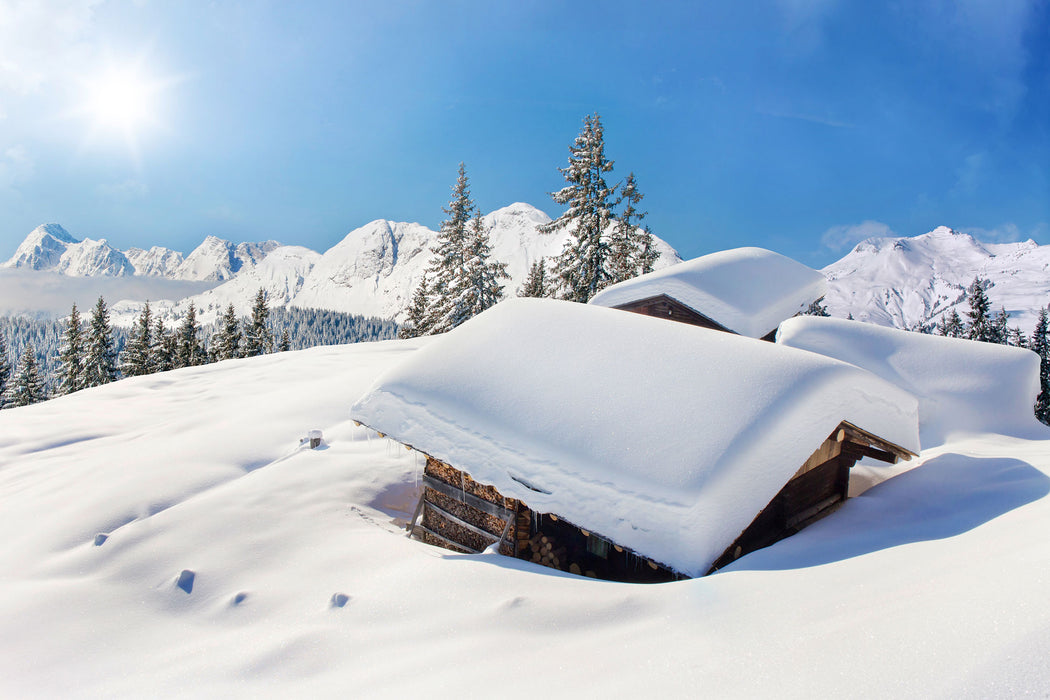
(903, 282)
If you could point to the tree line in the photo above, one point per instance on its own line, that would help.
(95, 353)
(607, 244)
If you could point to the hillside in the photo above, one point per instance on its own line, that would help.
(233, 562)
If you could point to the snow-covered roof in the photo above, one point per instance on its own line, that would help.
(663, 437)
(747, 290)
(962, 386)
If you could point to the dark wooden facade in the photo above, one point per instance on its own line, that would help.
(458, 513)
(663, 306)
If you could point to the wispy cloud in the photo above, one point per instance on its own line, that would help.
(968, 175)
(847, 235)
(811, 118)
(124, 191)
(1007, 233)
(16, 166)
(41, 40)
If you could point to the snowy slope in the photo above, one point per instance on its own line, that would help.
(902, 282)
(932, 584)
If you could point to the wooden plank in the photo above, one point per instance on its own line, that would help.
(446, 540)
(468, 498)
(415, 517)
(462, 523)
(875, 440)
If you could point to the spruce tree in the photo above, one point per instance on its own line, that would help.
(100, 362)
(980, 322)
(538, 283)
(1000, 332)
(257, 338)
(26, 388)
(816, 308)
(952, 326)
(582, 267)
(162, 349)
(479, 288)
(189, 352)
(417, 322)
(71, 357)
(631, 249)
(286, 343)
(5, 369)
(1040, 345)
(447, 268)
(226, 342)
(138, 357)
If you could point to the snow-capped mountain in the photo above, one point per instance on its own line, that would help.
(217, 259)
(904, 282)
(50, 247)
(155, 262)
(375, 268)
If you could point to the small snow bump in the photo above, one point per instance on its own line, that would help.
(238, 599)
(339, 600)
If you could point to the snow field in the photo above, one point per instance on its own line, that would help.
(931, 584)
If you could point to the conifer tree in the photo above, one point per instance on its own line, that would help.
(100, 362)
(980, 323)
(5, 369)
(447, 268)
(952, 325)
(71, 357)
(138, 357)
(479, 288)
(582, 267)
(418, 321)
(631, 249)
(1040, 345)
(816, 308)
(226, 342)
(189, 351)
(257, 339)
(27, 387)
(1000, 333)
(1017, 338)
(286, 343)
(162, 349)
(538, 283)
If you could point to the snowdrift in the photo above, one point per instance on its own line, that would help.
(747, 290)
(663, 437)
(962, 386)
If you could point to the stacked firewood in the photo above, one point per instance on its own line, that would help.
(542, 549)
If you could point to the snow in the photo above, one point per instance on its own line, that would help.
(962, 386)
(660, 436)
(747, 290)
(904, 281)
(932, 584)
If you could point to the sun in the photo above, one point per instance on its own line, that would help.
(121, 100)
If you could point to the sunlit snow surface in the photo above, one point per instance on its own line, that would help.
(932, 584)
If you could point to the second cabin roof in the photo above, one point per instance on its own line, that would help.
(747, 290)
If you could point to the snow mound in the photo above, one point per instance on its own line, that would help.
(747, 290)
(562, 405)
(962, 386)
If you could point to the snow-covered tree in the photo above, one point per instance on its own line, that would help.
(257, 339)
(631, 250)
(286, 342)
(952, 325)
(1017, 338)
(980, 327)
(479, 287)
(1000, 332)
(1040, 345)
(138, 353)
(418, 321)
(582, 267)
(447, 268)
(5, 369)
(189, 352)
(100, 361)
(816, 308)
(226, 342)
(538, 283)
(71, 357)
(163, 348)
(26, 387)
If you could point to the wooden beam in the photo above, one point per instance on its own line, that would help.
(872, 439)
(462, 523)
(468, 498)
(451, 543)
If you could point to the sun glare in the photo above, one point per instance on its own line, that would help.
(121, 101)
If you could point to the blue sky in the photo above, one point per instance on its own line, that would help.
(793, 125)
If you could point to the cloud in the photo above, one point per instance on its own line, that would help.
(42, 41)
(123, 191)
(1007, 233)
(846, 235)
(16, 166)
(968, 175)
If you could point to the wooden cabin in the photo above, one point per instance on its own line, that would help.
(458, 513)
(748, 291)
(625, 447)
